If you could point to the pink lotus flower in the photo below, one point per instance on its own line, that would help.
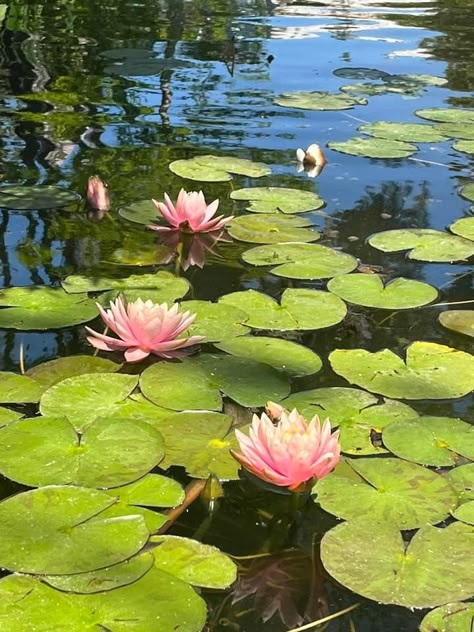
(144, 328)
(191, 214)
(290, 453)
(97, 194)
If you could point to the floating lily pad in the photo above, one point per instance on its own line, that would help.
(366, 89)
(424, 244)
(24, 198)
(464, 227)
(466, 146)
(403, 493)
(434, 568)
(284, 355)
(35, 525)
(139, 62)
(19, 389)
(215, 321)
(136, 405)
(8, 416)
(408, 132)
(459, 320)
(267, 229)
(48, 451)
(369, 290)
(454, 617)
(467, 191)
(420, 79)
(218, 168)
(360, 73)
(153, 490)
(465, 512)
(49, 373)
(301, 261)
(464, 131)
(436, 441)
(300, 309)
(278, 200)
(85, 397)
(374, 147)
(447, 115)
(432, 371)
(142, 212)
(462, 479)
(318, 100)
(37, 307)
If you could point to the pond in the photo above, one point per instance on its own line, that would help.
(342, 286)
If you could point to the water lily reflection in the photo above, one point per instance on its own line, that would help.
(312, 161)
(192, 248)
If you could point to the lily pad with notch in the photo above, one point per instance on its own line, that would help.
(8, 416)
(465, 512)
(462, 479)
(374, 147)
(424, 244)
(318, 100)
(453, 617)
(34, 198)
(408, 132)
(282, 200)
(210, 168)
(215, 321)
(142, 212)
(53, 371)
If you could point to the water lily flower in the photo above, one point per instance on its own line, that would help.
(97, 194)
(191, 214)
(292, 452)
(312, 160)
(144, 327)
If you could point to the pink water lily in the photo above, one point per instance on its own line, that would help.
(191, 214)
(144, 327)
(97, 194)
(290, 453)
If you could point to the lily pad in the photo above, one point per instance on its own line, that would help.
(408, 132)
(454, 617)
(369, 290)
(424, 244)
(35, 525)
(139, 62)
(300, 309)
(284, 355)
(435, 567)
(265, 229)
(436, 441)
(374, 147)
(318, 100)
(8, 416)
(142, 212)
(465, 512)
(420, 79)
(464, 131)
(147, 255)
(19, 389)
(463, 227)
(432, 371)
(390, 489)
(301, 261)
(278, 200)
(367, 89)
(459, 320)
(85, 397)
(466, 146)
(215, 321)
(211, 168)
(467, 191)
(49, 373)
(25, 198)
(153, 490)
(447, 115)
(360, 73)
(38, 307)
(462, 479)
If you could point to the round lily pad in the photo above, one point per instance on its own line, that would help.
(19, 389)
(436, 441)
(403, 493)
(466, 146)
(318, 100)
(367, 89)
(38, 307)
(408, 132)
(300, 309)
(8, 416)
(432, 371)
(467, 191)
(360, 73)
(142, 212)
(374, 147)
(420, 79)
(369, 290)
(464, 131)
(463, 227)
(268, 229)
(211, 168)
(49, 373)
(465, 512)
(424, 244)
(215, 321)
(301, 261)
(25, 198)
(278, 200)
(459, 320)
(447, 115)
(153, 490)
(462, 479)
(454, 617)
(284, 355)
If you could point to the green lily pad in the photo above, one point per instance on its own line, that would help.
(466, 146)
(153, 490)
(248, 383)
(369, 290)
(215, 321)
(467, 191)
(48, 451)
(435, 567)
(465, 512)
(145, 256)
(284, 355)
(136, 405)
(432, 371)
(463, 227)
(447, 115)
(407, 132)
(278, 200)
(462, 479)
(49, 373)
(459, 320)
(211, 168)
(142, 212)
(424, 244)
(194, 563)
(8, 416)
(318, 100)
(85, 397)
(301, 261)
(366, 89)
(24, 198)
(360, 73)
(421, 79)
(35, 525)
(436, 441)
(464, 131)
(300, 309)
(19, 389)
(454, 617)
(265, 229)
(139, 62)
(374, 147)
(38, 307)
(403, 493)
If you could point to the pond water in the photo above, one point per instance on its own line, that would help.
(122, 89)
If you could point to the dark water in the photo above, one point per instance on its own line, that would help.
(103, 105)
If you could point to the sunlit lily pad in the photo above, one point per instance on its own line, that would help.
(215, 321)
(374, 147)
(367, 89)
(136, 405)
(36, 525)
(467, 191)
(454, 617)
(464, 227)
(466, 146)
(301, 261)
(436, 441)
(39, 307)
(49, 373)
(465, 513)
(278, 200)
(300, 309)
(19, 389)
(464, 131)
(318, 100)
(139, 62)
(447, 115)
(142, 212)
(459, 320)
(25, 198)
(420, 79)
(218, 168)
(435, 567)
(424, 244)
(408, 132)
(369, 290)
(153, 490)
(8, 416)
(403, 493)
(284, 355)
(360, 73)
(462, 479)
(268, 229)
